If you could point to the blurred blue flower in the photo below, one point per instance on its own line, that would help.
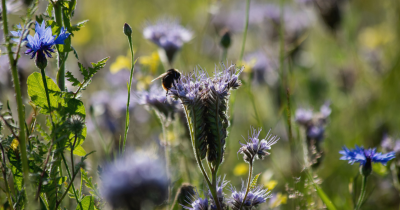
(134, 179)
(221, 184)
(255, 148)
(363, 156)
(256, 196)
(168, 34)
(43, 40)
(197, 203)
(17, 34)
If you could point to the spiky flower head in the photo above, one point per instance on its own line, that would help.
(134, 179)
(365, 157)
(255, 196)
(155, 98)
(313, 122)
(168, 34)
(43, 41)
(197, 203)
(256, 148)
(221, 184)
(75, 124)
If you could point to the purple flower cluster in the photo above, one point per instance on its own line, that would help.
(221, 184)
(256, 148)
(313, 122)
(255, 196)
(169, 35)
(197, 203)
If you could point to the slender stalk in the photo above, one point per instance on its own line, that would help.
(66, 191)
(72, 182)
(44, 170)
(129, 93)
(248, 182)
(166, 153)
(20, 107)
(362, 193)
(246, 26)
(61, 61)
(3, 169)
(224, 54)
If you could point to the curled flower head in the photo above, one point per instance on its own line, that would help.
(256, 148)
(169, 35)
(43, 41)
(156, 99)
(197, 203)
(221, 184)
(134, 179)
(189, 88)
(224, 80)
(303, 116)
(363, 156)
(256, 196)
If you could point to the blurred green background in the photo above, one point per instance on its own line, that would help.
(355, 66)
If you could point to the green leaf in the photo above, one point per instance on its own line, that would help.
(75, 53)
(321, 194)
(97, 66)
(88, 183)
(49, 10)
(79, 151)
(254, 181)
(79, 25)
(87, 203)
(83, 70)
(37, 93)
(71, 78)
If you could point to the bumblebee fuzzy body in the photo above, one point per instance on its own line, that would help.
(168, 78)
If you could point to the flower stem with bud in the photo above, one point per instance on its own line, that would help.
(362, 193)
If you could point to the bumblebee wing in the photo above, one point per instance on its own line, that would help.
(162, 75)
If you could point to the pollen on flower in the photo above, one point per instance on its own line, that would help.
(14, 144)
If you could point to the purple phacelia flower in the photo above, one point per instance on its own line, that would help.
(169, 35)
(303, 116)
(363, 156)
(197, 203)
(255, 196)
(156, 99)
(221, 184)
(134, 179)
(256, 148)
(189, 88)
(263, 67)
(388, 144)
(43, 41)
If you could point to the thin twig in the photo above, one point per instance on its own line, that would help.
(3, 169)
(66, 190)
(248, 183)
(9, 127)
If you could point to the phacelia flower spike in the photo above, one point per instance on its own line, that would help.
(365, 157)
(134, 179)
(256, 196)
(43, 41)
(197, 203)
(256, 148)
(169, 35)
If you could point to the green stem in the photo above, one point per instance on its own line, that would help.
(20, 107)
(362, 193)
(129, 94)
(72, 182)
(248, 183)
(246, 26)
(61, 61)
(224, 54)
(166, 153)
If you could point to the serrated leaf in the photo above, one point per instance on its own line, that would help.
(254, 181)
(97, 66)
(79, 25)
(83, 70)
(87, 203)
(37, 93)
(71, 78)
(75, 53)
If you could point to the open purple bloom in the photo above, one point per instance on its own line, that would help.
(197, 203)
(169, 35)
(221, 184)
(256, 148)
(256, 196)
(364, 156)
(43, 41)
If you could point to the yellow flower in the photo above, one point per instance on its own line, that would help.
(248, 66)
(14, 144)
(271, 184)
(375, 36)
(122, 62)
(152, 61)
(280, 199)
(240, 169)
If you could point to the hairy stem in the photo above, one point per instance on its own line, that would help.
(61, 61)
(3, 169)
(246, 26)
(248, 182)
(129, 93)
(362, 193)
(20, 107)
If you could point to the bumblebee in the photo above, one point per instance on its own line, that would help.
(168, 78)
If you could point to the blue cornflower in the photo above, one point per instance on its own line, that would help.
(256, 196)
(197, 203)
(43, 41)
(256, 148)
(365, 156)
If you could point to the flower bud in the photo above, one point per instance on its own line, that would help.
(186, 191)
(366, 168)
(41, 61)
(225, 38)
(127, 30)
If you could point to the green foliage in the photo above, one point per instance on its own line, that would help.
(254, 181)
(37, 93)
(87, 203)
